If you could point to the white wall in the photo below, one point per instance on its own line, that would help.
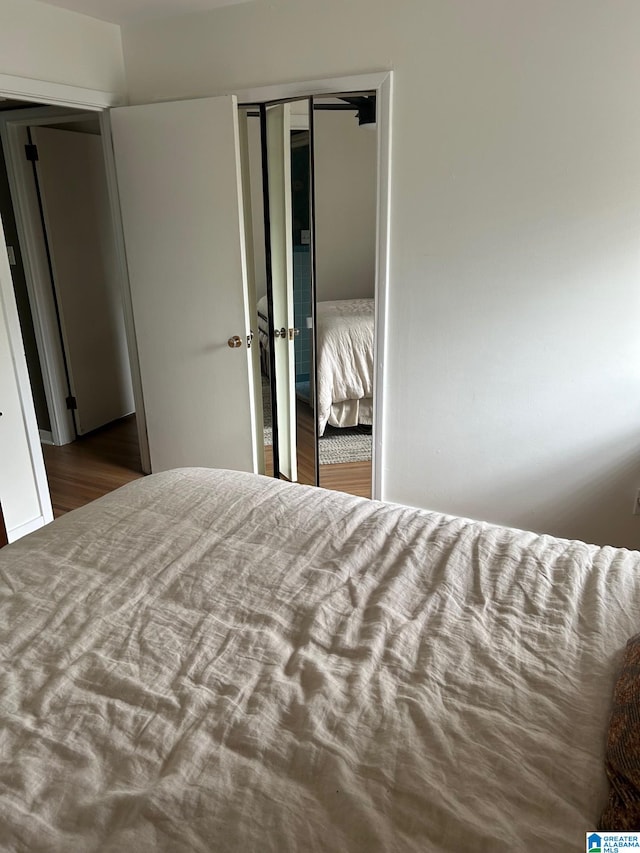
(346, 169)
(513, 368)
(40, 43)
(47, 43)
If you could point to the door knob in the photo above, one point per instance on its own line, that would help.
(235, 341)
(280, 333)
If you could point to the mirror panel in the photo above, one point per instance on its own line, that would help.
(303, 292)
(276, 126)
(251, 158)
(280, 185)
(345, 191)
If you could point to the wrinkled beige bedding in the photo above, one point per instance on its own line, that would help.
(212, 661)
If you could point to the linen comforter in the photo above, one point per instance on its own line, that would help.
(209, 660)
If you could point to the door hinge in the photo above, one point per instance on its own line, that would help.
(31, 152)
(71, 403)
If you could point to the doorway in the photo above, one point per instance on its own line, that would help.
(62, 250)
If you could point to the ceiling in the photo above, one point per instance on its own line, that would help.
(130, 11)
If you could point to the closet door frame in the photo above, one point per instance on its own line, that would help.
(382, 84)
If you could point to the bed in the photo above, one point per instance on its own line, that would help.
(345, 335)
(207, 660)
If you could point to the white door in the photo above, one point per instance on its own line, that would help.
(77, 215)
(281, 240)
(179, 182)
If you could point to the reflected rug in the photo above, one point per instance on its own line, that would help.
(335, 446)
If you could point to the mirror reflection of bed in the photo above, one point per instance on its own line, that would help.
(345, 330)
(339, 379)
(345, 204)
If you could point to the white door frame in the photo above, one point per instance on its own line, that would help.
(61, 95)
(382, 84)
(13, 129)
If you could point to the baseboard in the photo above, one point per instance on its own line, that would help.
(21, 530)
(46, 436)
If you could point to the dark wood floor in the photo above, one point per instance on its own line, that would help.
(98, 463)
(93, 465)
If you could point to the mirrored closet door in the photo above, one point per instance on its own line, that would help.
(313, 170)
(280, 185)
(289, 286)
